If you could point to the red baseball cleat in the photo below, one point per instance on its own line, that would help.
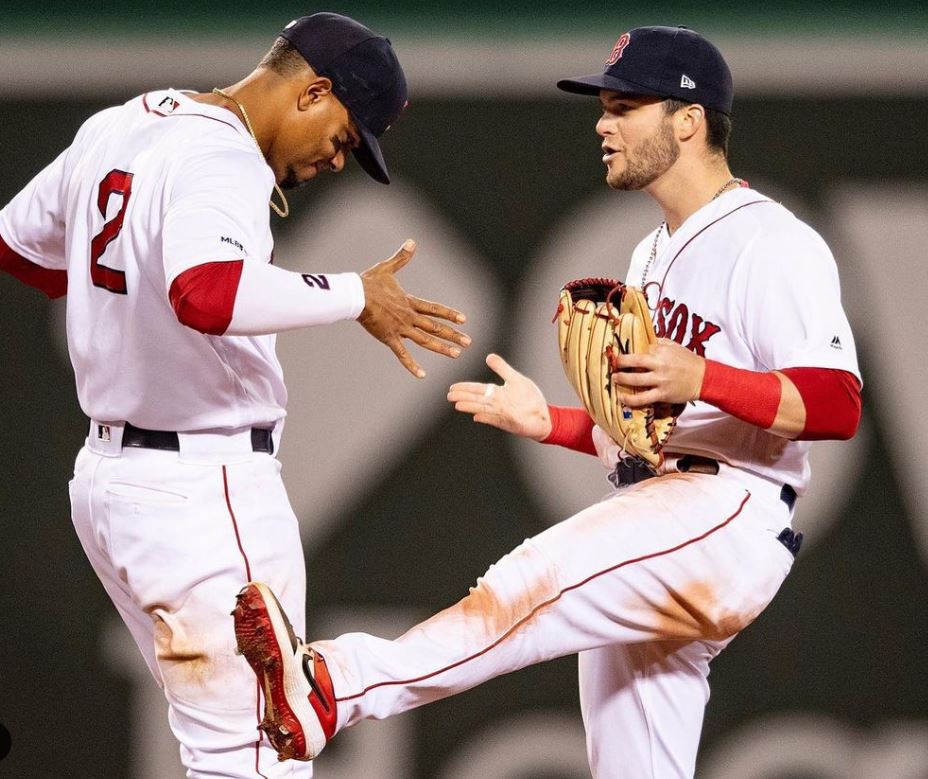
(299, 704)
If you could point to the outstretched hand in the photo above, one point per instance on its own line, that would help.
(668, 373)
(391, 314)
(516, 406)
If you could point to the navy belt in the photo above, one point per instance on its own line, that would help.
(633, 470)
(167, 440)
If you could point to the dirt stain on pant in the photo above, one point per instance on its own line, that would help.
(182, 659)
(696, 612)
(504, 610)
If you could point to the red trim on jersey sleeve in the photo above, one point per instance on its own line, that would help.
(53, 283)
(571, 428)
(832, 401)
(203, 297)
(751, 396)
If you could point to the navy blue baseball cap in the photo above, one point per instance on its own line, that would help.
(365, 73)
(663, 62)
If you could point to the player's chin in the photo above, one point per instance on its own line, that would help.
(616, 179)
(621, 181)
(292, 181)
(617, 182)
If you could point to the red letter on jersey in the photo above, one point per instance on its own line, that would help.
(701, 332)
(116, 182)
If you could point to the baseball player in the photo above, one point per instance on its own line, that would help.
(651, 583)
(155, 222)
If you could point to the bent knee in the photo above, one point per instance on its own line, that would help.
(202, 668)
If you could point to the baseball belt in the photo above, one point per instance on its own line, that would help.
(167, 440)
(632, 470)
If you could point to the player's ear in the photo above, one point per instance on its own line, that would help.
(688, 121)
(313, 91)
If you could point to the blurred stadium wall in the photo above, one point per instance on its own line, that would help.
(404, 504)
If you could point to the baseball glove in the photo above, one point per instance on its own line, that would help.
(598, 319)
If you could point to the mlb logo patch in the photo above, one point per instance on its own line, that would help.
(168, 104)
(103, 433)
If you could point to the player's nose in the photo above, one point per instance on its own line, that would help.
(338, 162)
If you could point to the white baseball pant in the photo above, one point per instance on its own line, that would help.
(647, 585)
(173, 536)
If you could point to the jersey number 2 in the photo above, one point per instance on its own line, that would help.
(116, 182)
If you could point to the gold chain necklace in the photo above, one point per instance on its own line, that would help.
(281, 212)
(657, 235)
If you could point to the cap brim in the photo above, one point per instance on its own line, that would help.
(369, 156)
(591, 85)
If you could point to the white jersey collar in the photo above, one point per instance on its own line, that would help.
(177, 102)
(723, 205)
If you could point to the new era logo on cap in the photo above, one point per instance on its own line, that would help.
(686, 82)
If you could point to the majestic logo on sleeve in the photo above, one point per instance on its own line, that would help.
(620, 44)
(674, 321)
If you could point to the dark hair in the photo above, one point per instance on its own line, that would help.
(283, 59)
(718, 125)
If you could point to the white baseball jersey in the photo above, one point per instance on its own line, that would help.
(746, 283)
(147, 190)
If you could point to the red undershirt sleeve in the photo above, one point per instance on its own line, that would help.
(203, 297)
(53, 283)
(571, 428)
(751, 396)
(831, 398)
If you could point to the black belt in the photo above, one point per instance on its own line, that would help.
(167, 440)
(632, 471)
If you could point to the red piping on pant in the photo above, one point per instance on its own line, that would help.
(241, 549)
(238, 538)
(547, 603)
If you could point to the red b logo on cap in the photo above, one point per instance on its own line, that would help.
(619, 47)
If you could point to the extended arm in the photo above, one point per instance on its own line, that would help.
(239, 298)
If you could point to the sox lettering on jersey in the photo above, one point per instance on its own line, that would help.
(673, 320)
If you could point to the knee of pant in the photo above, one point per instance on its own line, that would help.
(512, 591)
(200, 666)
